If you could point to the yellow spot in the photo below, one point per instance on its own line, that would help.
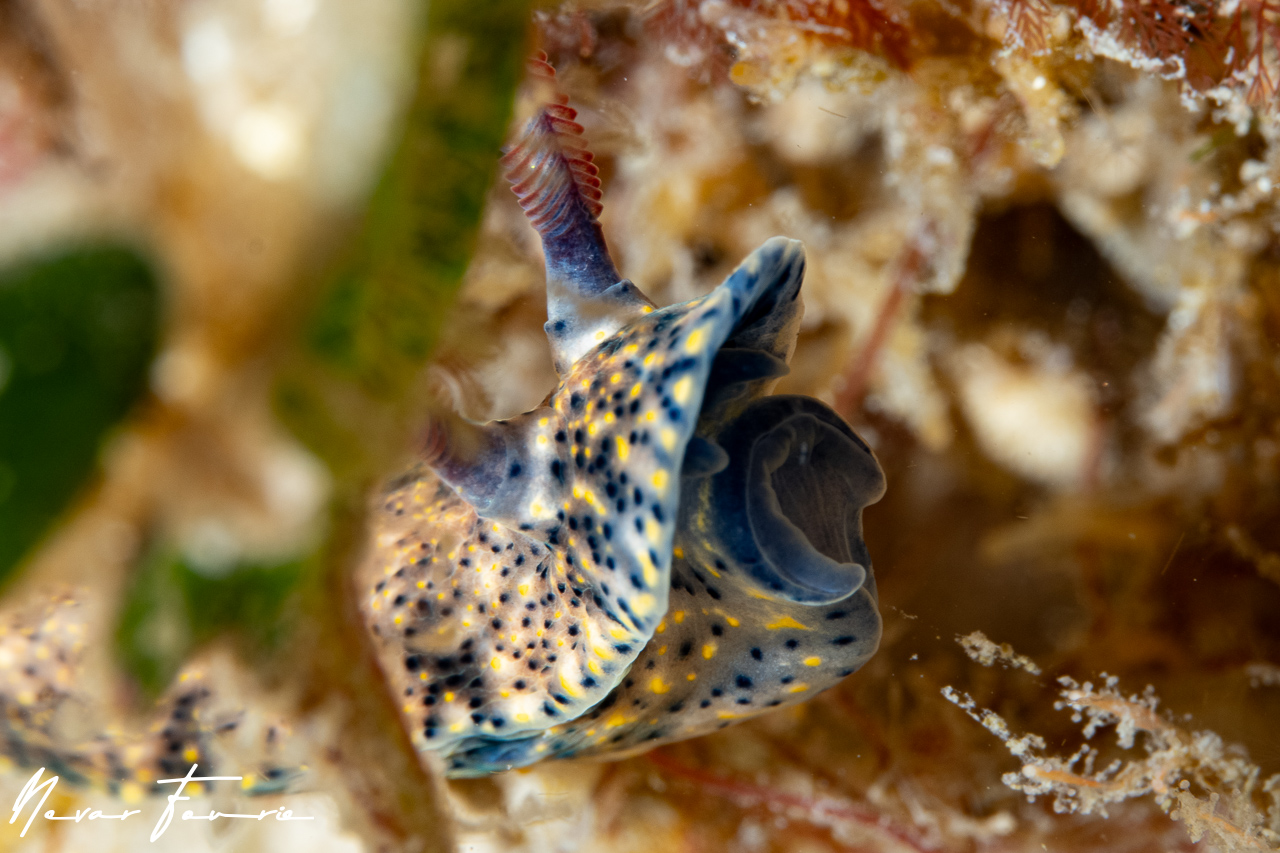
(247, 782)
(542, 439)
(599, 337)
(592, 428)
(660, 479)
(693, 676)
(657, 685)
(543, 421)
(678, 616)
(422, 676)
(595, 667)
(813, 661)
(635, 389)
(616, 720)
(729, 715)
(733, 623)
(786, 622)
(131, 792)
(678, 552)
(646, 565)
(398, 619)
(662, 627)
(190, 754)
(448, 697)
(624, 449)
(646, 309)
(695, 342)
(709, 651)
(569, 688)
(668, 437)
(798, 688)
(650, 415)
(439, 596)
(681, 390)
(522, 717)
(615, 378)
(643, 603)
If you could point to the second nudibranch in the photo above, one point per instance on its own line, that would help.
(661, 548)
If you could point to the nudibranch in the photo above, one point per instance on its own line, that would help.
(659, 549)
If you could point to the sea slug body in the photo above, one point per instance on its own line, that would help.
(661, 548)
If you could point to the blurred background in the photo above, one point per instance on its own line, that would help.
(244, 243)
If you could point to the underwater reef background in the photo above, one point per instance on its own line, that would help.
(246, 246)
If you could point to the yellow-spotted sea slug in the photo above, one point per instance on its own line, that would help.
(660, 548)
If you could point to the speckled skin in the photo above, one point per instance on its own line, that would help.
(45, 716)
(520, 618)
(659, 549)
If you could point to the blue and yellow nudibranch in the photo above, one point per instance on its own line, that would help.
(659, 549)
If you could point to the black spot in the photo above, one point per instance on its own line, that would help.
(791, 644)
(685, 649)
(843, 641)
(475, 702)
(757, 654)
(717, 630)
(837, 614)
(743, 682)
